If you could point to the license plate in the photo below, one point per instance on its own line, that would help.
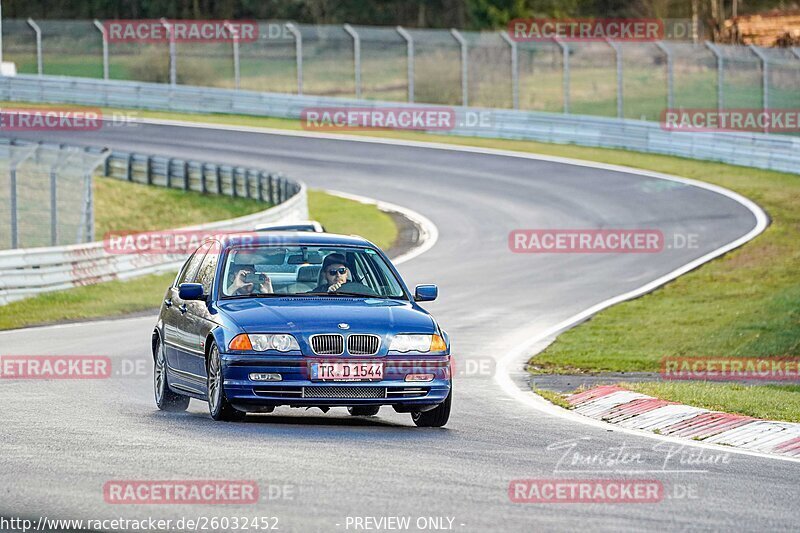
(349, 371)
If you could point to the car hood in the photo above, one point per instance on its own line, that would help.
(309, 315)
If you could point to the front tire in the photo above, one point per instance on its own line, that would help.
(218, 404)
(166, 400)
(364, 410)
(436, 417)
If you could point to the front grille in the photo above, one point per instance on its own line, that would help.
(280, 392)
(344, 392)
(358, 344)
(329, 344)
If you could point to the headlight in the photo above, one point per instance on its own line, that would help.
(417, 343)
(281, 342)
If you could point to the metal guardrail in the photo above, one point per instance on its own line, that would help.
(757, 150)
(30, 271)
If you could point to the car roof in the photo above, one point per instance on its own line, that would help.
(292, 238)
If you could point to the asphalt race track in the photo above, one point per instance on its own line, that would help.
(62, 440)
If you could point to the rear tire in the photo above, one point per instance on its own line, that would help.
(364, 410)
(218, 405)
(436, 417)
(166, 400)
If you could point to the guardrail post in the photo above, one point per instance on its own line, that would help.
(235, 37)
(185, 175)
(298, 54)
(670, 74)
(104, 35)
(356, 57)
(764, 78)
(260, 188)
(464, 66)
(720, 75)
(203, 187)
(129, 168)
(149, 170)
(38, 31)
(218, 179)
(173, 71)
(271, 189)
(234, 193)
(169, 173)
(618, 57)
(564, 71)
(514, 69)
(409, 61)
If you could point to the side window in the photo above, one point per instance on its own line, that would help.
(190, 269)
(208, 268)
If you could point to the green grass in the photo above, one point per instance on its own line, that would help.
(121, 206)
(775, 402)
(339, 215)
(553, 397)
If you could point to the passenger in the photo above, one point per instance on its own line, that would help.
(240, 286)
(335, 275)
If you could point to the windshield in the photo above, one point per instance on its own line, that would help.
(265, 271)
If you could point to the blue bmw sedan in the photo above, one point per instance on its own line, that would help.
(300, 319)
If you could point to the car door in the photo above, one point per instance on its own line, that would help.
(198, 319)
(175, 337)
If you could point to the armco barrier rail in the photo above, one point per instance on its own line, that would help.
(758, 150)
(27, 272)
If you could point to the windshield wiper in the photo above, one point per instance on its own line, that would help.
(344, 293)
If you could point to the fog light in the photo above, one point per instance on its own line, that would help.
(419, 377)
(265, 377)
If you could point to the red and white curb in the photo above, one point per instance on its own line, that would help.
(633, 410)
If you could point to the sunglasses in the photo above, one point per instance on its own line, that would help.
(334, 271)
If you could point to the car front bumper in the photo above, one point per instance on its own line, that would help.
(296, 389)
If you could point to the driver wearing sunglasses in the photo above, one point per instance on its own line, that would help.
(336, 277)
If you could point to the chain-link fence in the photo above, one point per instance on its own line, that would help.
(45, 195)
(483, 69)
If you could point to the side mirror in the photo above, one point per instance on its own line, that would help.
(190, 291)
(425, 293)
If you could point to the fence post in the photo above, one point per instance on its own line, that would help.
(356, 57)
(720, 75)
(218, 179)
(514, 69)
(149, 170)
(764, 78)
(173, 72)
(260, 186)
(271, 189)
(169, 173)
(564, 71)
(670, 74)
(185, 175)
(409, 61)
(464, 66)
(104, 35)
(618, 57)
(38, 31)
(235, 37)
(12, 174)
(298, 54)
